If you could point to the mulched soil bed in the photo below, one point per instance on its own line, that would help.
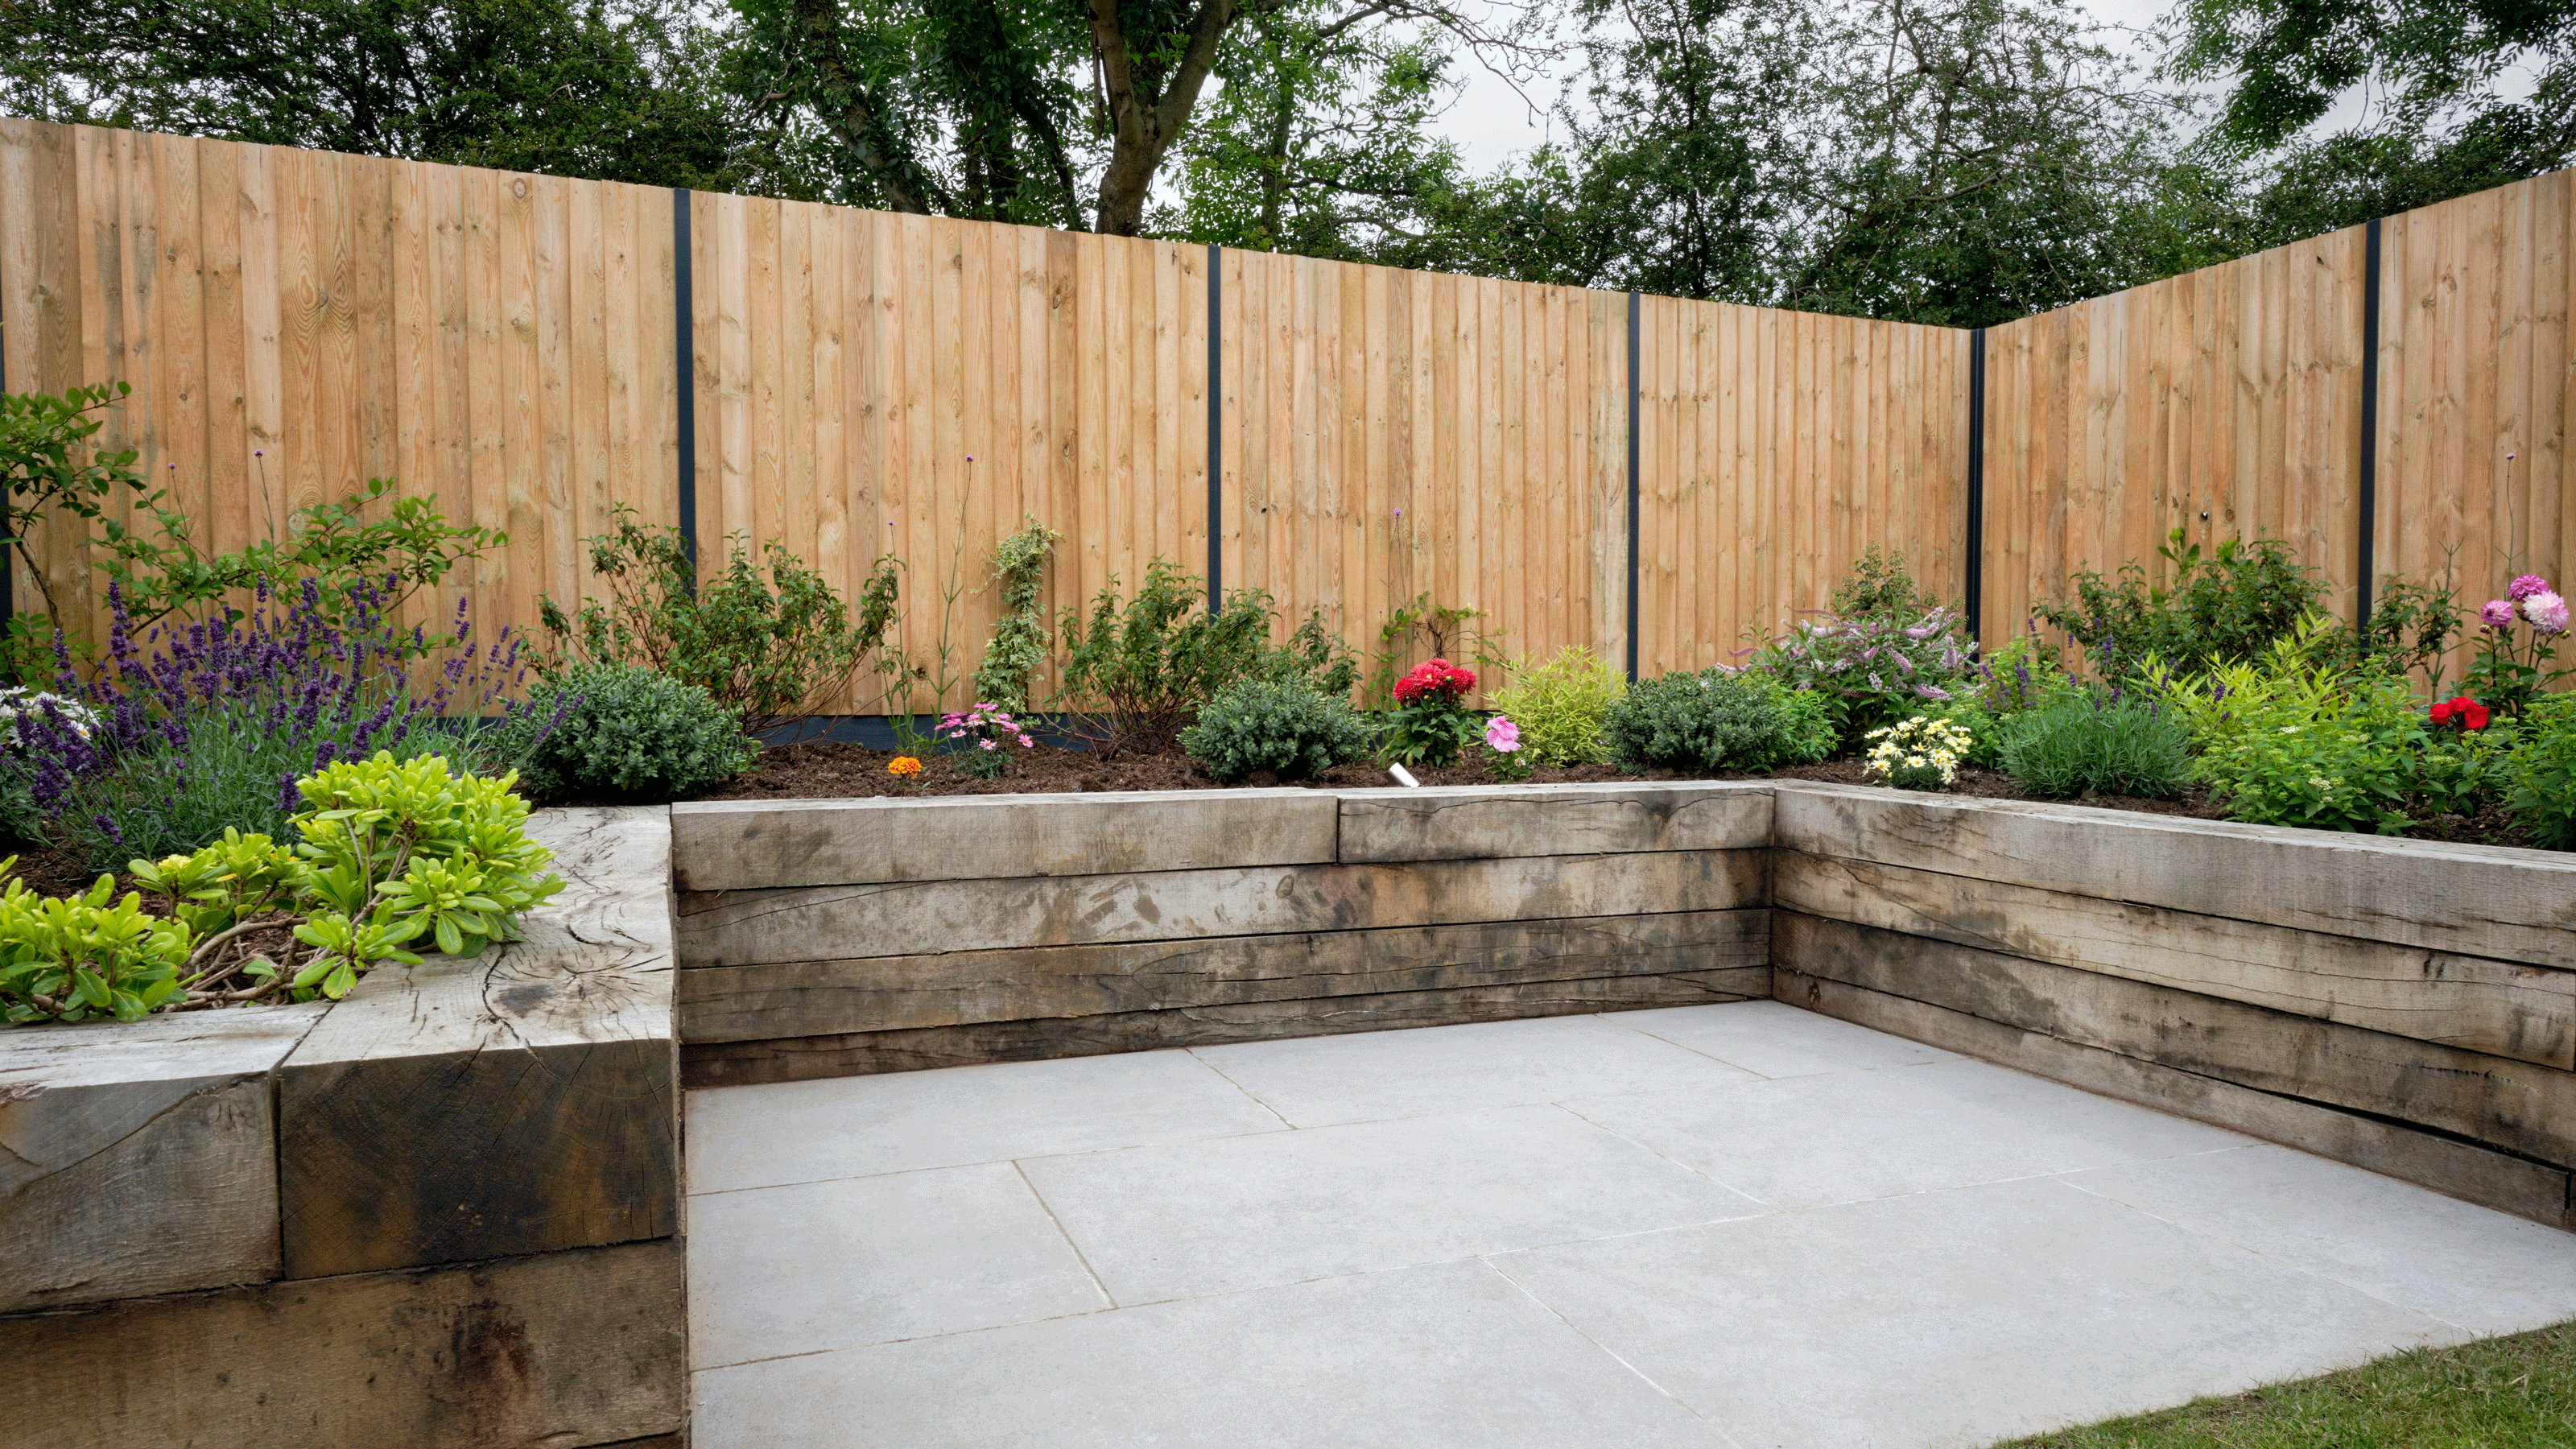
(826, 769)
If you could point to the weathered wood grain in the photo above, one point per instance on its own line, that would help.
(2497, 1007)
(823, 998)
(516, 1103)
(724, 845)
(2490, 901)
(750, 927)
(1467, 822)
(561, 1350)
(2513, 1105)
(730, 1064)
(2480, 1175)
(140, 1157)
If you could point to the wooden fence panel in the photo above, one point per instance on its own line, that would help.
(2477, 375)
(2225, 402)
(295, 323)
(872, 384)
(1390, 435)
(1775, 448)
(869, 384)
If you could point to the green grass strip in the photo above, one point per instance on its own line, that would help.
(2517, 1392)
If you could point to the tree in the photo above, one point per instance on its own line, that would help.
(627, 92)
(1317, 140)
(2436, 124)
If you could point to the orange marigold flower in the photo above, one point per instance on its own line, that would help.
(903, 765)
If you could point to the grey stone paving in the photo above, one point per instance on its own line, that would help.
(1744, 1225)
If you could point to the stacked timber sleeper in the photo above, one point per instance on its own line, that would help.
(830, 938)
(2406, 1006)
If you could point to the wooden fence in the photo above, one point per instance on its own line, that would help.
(862, 384)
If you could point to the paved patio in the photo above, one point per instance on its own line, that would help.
(1741, 1225)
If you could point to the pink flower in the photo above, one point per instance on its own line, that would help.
(2526, 586)
(2496, 615)
(2547, 612)
(1027, 744)
(988, 744)
(1502, 736)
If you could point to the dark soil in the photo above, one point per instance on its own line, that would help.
(827, 769)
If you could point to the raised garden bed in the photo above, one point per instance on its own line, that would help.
(442, 1211)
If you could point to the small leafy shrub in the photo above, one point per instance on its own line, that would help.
(2099, 742)
(2291, 677)
(2219, 607)
(1431, 722)
(627, 730)
(771, 650)
(1921, 753)
(1880, 586)
(1284, 725)
(1709, 720)
(1874, 669)
(53, 470)
(983, 739)
(1020, 638)
(79, 957)
(1812, 735)
(1136, 673)
(1506, 760)
(2341, 759)
(389, 855)
(2001, 688)
(1559, 706)
(2518, 645)
(199, 728)
(2540, 774)
(1317, 655)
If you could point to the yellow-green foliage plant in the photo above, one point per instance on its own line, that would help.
(1559, 707)
(390, 855)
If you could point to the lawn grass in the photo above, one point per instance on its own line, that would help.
(2501, 1393)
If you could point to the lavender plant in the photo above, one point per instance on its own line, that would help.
(193, 728)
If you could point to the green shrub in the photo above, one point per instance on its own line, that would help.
(389, 854)
(1285, 726)
(1020, 637)
(770, 650)
(1559, 707)
(1137, 672)
(2085, 741)
(626, 730)
(1814, 729)
(2342, 757)
(2541, 771)
(2217, 608)
(1708, 720)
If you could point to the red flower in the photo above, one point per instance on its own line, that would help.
(1435, 677)
(2461, 710)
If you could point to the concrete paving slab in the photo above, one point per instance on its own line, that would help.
(1249, 1212)
(1416, 1359)
(1851, 1136)
(822, 1265)
(854, 1126)
(1775, 1039)
(2459, 1262)
(1952, 1319)
(1372, 1076)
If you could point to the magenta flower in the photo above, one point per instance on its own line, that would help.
(2526, 586)
(988, 744)
(2496, 615)
(1502, 736)
(2547, 612)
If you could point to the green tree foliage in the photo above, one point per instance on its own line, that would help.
(628, 91)
(2437, 124)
